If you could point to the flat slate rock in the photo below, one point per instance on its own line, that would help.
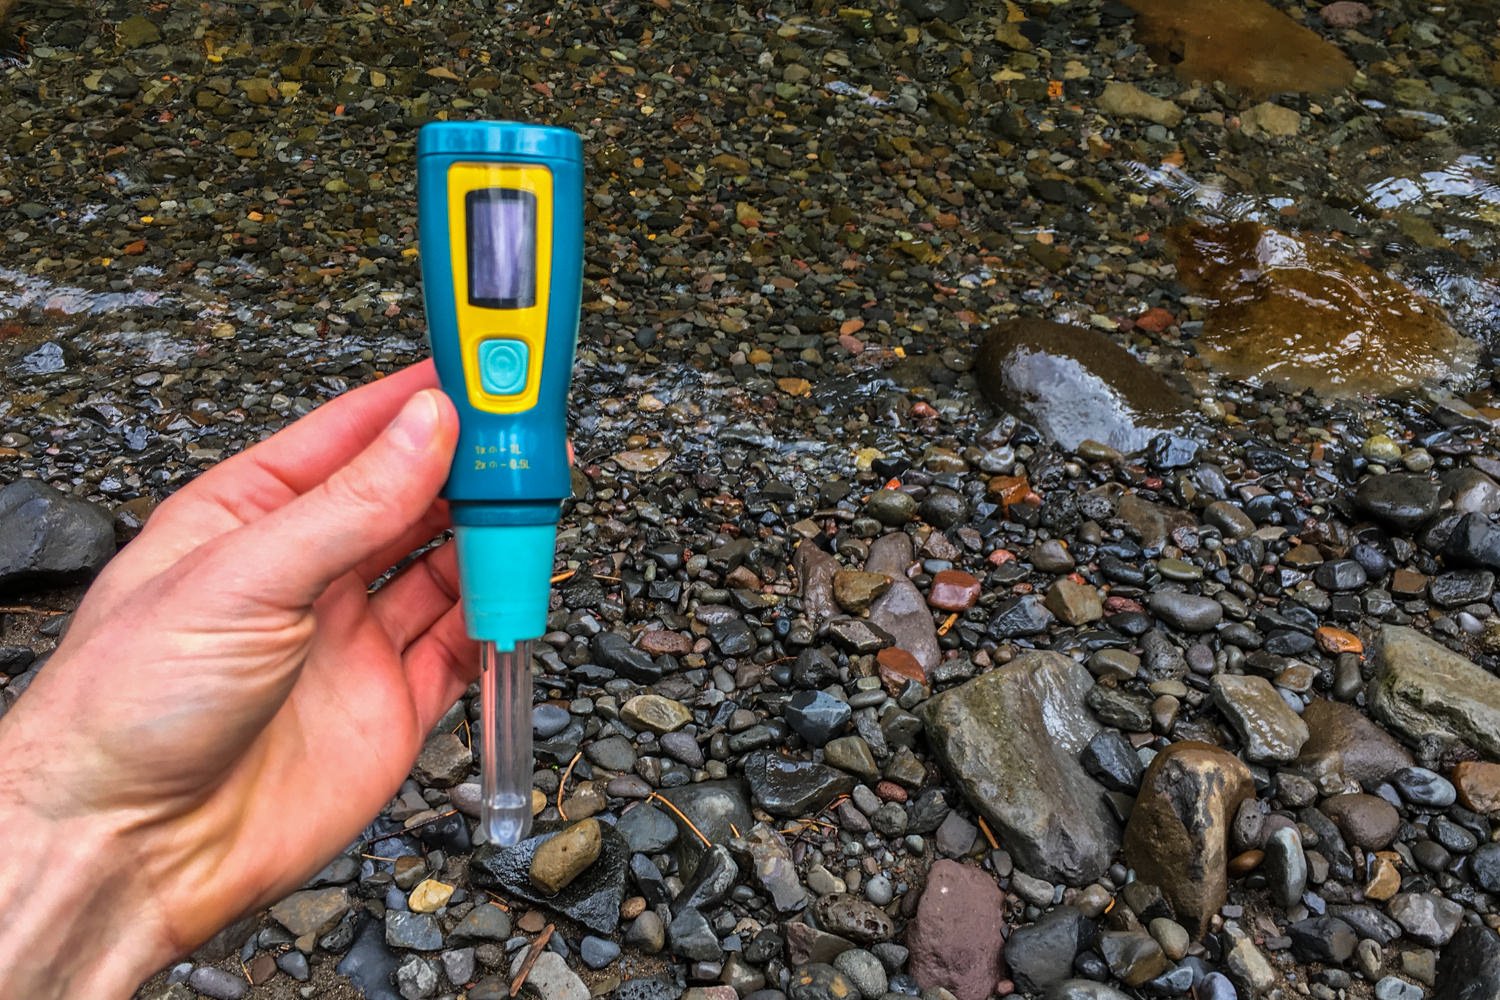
(1010, 740)
(593, 898)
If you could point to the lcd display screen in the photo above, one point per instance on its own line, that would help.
(502, 248)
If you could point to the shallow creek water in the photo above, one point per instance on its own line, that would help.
(208, 210)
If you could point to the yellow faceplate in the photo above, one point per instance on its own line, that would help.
(476, 323)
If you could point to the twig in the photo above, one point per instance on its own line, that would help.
(562, 786)
(994, 844)
(734, 830)
(531, 957)
(947, 624)
(376, 857)
(27, 609)
(560, 577)
(679, 814)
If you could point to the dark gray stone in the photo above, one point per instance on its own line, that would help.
(48, 537)
(217, 983)
(593, 898)
(647, 829)
(1400, 501)
(1470, 966)
(792, 788)
(816, 716)
(1041, 955)
(615, 652)
(1009, 740)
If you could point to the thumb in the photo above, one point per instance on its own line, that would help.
(291, 556)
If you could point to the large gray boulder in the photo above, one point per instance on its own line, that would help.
(1010, 741)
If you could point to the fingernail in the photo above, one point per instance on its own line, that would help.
(415, 424)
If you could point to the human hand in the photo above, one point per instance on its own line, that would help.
(231, 706)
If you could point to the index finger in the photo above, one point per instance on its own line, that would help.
(311, 449)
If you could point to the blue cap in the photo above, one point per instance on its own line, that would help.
(504, 139)
(505, 577)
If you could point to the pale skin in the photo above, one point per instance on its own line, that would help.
(230, 706)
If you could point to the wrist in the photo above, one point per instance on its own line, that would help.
(76, 921)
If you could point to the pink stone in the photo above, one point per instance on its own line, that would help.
(1345, 14)
(955, 939)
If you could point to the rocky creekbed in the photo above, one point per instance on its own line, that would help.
(907, 647)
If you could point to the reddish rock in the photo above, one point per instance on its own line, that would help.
(896, 667)
(1119, 605)
(955, 938)
(889, 791)
(1155, 320)
(954, 590)
(1009, 490)
(1478, 785)
(1345, 14)
(659, 641)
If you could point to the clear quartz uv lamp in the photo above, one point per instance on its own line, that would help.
(500, 222)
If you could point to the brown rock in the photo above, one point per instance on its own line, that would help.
(1152, 523)
(312, 911)
(955, 938)
(1074, 603)
(953, 590)
(1367, 821)
(1407, 583)
(1345, 14)
(896, 667)
(1385, 880)
(1244, 864)
(1178, 834)
(659, 641)
(563, 857)
(1294, 311)
(815, 569)
(1368, 752)
(1478, 784)
(1245, 43)
(855, 590)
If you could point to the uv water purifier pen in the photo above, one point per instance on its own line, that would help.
(500, 222)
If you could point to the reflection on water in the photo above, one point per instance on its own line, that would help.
(1292, 311)
(1469, 179)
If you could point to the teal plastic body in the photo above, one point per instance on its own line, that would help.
(505, 518)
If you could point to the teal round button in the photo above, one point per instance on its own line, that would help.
(502, 366)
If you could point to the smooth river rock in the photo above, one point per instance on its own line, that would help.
(1075, 385)
(1421, 688)
(1010, 740)
(1365, 752)
(1178, 834)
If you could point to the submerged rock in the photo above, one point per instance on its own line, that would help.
(1293, 312)
(1075, 385)
(1178, 834)
(1010, 740)
(1245, 43)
